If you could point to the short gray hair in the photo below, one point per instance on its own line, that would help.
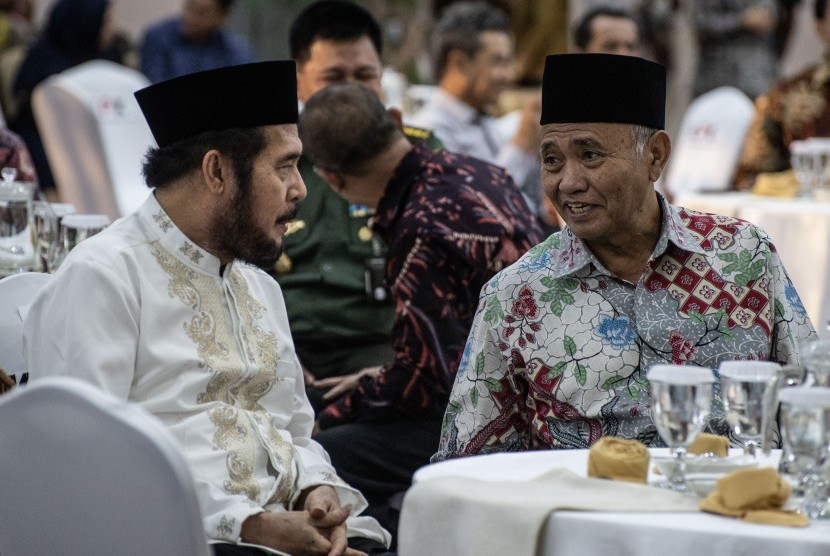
(641, 135)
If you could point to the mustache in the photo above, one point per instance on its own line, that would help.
(288, 216)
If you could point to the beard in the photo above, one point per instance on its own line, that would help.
(236, 234)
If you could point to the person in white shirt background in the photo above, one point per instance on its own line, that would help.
(473, 61)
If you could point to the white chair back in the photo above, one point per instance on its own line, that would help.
(86, 474)
(708, 147)
(16, 294)
(95, 136)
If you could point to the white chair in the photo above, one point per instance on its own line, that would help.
(708, 147)
(86, 474)
(16, 293)
(95, 136)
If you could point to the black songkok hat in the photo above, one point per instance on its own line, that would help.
(248, 95)
(603, 88)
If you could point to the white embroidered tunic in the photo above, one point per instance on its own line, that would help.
(142, 312)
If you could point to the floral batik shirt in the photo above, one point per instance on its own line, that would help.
(560, 348)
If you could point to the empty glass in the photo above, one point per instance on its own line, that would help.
(805, 430)
(75, 228)
(47, 218)
(815, 357)
(743, 384)
(681, 399)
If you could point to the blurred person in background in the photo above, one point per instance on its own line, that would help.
(197, 40)
(450, 222)
(340, 321)
(793, 109)
(473, 61)
(607, 30)
(737, 45)
(77, 31)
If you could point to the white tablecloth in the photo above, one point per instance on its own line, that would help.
(800, 230)
(580, 533)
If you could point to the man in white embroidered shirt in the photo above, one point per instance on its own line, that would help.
(167, 309)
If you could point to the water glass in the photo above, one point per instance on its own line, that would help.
(75, 228)
(805, 429)
(743, 386)
(815, 356)
(47, 218)
(681, 399)
(17, 245)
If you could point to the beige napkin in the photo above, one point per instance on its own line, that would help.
(756, 495)
(710, 443)
(619, 459)
(470, 517)
(776, 184)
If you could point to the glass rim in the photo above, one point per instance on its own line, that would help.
(748, 369)
(805, 396)
(85, 220)
(680, 374)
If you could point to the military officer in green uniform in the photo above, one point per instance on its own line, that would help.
(332, 267)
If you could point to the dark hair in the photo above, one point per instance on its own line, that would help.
(459, 28)
(225, 5)
(344, 126)
(820, 9)
(331, 20)
(583, 32)
(162, 166)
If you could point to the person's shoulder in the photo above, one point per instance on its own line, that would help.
(161, 31)
(719, 233)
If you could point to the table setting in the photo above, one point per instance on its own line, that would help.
(696, 496)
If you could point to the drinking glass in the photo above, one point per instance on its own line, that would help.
(805, 429)
(815, 356)
(743, 385)
(17, 244)
(75, 228)
(803, 161)
(48, 217)
(681, 399)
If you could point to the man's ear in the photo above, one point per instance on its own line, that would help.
(216, 172)
(334, 179)
(658, 150)
(397, 115)
(457, 60)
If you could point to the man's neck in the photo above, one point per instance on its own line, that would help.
(627, 257)
(456, 85)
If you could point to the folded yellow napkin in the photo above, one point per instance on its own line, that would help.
(756, 495)
(776, 184)
(710, 443)
(616, 458)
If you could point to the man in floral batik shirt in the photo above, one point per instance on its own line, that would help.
(562, 340)
(794, 109)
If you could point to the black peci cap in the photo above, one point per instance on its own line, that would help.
(247, 95)
(603, 88)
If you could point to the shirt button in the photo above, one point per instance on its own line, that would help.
(327, 267)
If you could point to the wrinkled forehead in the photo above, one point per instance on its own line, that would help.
(564, 134)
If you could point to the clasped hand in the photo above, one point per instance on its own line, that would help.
(318, 529)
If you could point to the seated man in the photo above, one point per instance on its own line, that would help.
(167, 309)
(473, 58)
(793, 109)
(450, 222)
(197, 40)
(563, 339)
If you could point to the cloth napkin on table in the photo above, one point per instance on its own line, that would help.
(756, 495)
(776, 184)
(470, 517)
(710, 443)
(619, 459)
